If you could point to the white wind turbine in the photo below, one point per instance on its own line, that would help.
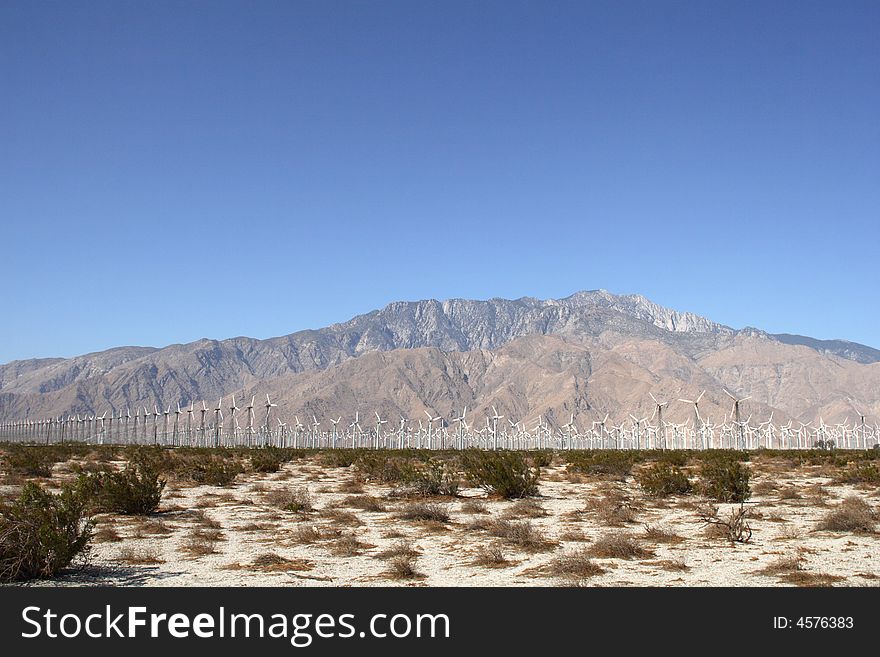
(233, 423)
(698, 421)
(460, 421)
(379, 423)
(250, 424)
(431, 421)
(658, 411)
(738, 417)
(568, 427)
(495, 418)
(355, 429)
(315, 436)
(334, 432)
(202, 429)
(637, 423)
(269, 406)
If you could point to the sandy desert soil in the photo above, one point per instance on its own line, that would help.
(355, 535)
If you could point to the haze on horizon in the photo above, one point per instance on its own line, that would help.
(170, 172)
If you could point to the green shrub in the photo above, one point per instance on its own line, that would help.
(677, 457)
(860, 473)
(662, 479)
(616, 463)
(504, 473)
(41, 533)
(380, 466)
(725, 480)
(267, 459)
(434, 478)
(213, 470)
(542, 458)
(31, 461)
(137, 490)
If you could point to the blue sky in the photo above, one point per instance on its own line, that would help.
(177, 170)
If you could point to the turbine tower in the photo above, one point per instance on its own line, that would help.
(658, 411)
(738, 419)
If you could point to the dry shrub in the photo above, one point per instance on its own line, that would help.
(522, 534)
(784, 565)
(347, 545)
(271, 562)
(803, 578)
(107, 534)
(364, 503)
(139, 556)
(151, 528)
(403, 567)
(353, 486)
(342, 518)
(474, 507)
(573, 536)
(306, 535)
(735, 528)
(201, 519)
(425, 513)
(614, 509)
(788, 533)
(765, 487)
(399, 549)
(853, 514)
(575, 565)
(660, 534)
(789, 493)
(202, 542)
(295, 500)
(618, 545)
(673, 565)
(525, 509)
(491, 556)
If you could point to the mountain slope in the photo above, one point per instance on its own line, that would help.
(657, 348)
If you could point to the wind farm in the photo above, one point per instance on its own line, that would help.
(651, 433)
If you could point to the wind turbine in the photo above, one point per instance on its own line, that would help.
(460, 420)
(189, 420)
(315, 424)
(568, 426)
(638, 425)
(218, 422)
(661, 425)
(355, 429)
(233, 423)
(176, 423)
(166, 413)
(202, 425)
(431, 421)
(738, 418)
(379, 423)
(334, 430)
(495, 418)
(698, 421)
(250, 426)
(269, 406)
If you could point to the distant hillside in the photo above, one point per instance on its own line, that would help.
(602, 353)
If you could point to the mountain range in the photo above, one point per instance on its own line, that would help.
(588, 354)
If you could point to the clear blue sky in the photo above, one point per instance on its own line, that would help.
(177, 170)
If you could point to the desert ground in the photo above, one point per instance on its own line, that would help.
(321, 520)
